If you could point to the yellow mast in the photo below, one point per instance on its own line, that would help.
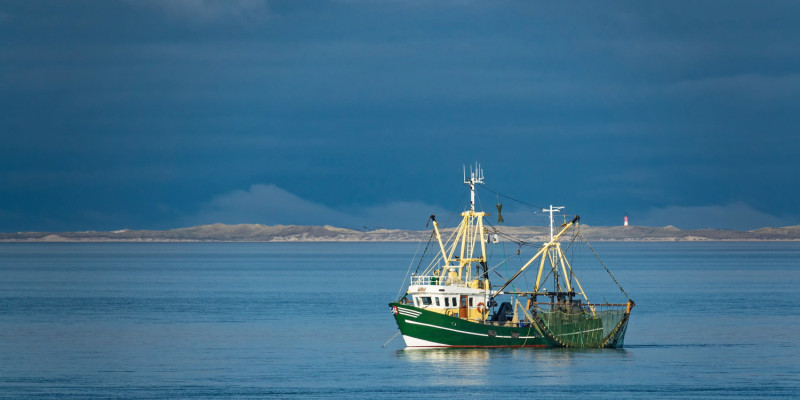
(439, 238)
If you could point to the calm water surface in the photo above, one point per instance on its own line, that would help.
(307, 320)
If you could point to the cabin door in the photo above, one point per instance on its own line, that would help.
(462, 310)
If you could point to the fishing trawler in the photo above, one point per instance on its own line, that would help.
(451, 302)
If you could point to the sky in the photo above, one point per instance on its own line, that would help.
(152, 114)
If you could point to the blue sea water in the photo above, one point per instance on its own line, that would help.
(307, 320)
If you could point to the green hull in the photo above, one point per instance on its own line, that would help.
(421, 328)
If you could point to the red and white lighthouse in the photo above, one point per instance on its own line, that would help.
(626, 219)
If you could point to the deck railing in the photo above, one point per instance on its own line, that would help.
(419, 280)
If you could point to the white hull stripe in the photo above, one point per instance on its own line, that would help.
(408, 313)
(468, 333)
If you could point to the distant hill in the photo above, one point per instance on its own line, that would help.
(297, 233)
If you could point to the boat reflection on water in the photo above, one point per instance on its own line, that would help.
(443, 355)
(448, 366)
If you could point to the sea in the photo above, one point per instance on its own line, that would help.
(713, 320)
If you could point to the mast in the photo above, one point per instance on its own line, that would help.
(458, 252)
(551, 210)
(471, 228)
(475, 176)
(552, 253)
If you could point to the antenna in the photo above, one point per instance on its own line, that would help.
(552, 210)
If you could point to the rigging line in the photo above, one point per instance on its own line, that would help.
(478, 199)
(575, 236)
(448, 242)
(512, 199)
(521, 262)
(452, 236)
(572, 275)
(392, 338)
(419, 243)
(507, 236)
(501, 263)
(500, 275)
(524, 276)
(604, 266)
(519, 242)
(452, 215)
(430, 239)
(546, 277)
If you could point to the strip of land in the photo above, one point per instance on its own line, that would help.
(297, 233)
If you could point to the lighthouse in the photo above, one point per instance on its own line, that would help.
(626, 219)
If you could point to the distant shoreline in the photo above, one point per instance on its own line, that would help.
(298, 233)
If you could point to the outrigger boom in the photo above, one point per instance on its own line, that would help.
(544, 250)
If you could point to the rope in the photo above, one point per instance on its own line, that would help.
(387, 342)
(506, 236)
(604, 265)
(451, 216)
(571, 271)
(512, 199)
(430, 239)
(501, 263)
(405, 279)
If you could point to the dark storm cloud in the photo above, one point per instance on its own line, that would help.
(144, 114)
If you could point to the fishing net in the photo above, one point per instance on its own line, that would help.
(583, 326)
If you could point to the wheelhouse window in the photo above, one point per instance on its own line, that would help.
(447, 302)
(426, 301)
(470, 301)
(437, 301)
(455, 303)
